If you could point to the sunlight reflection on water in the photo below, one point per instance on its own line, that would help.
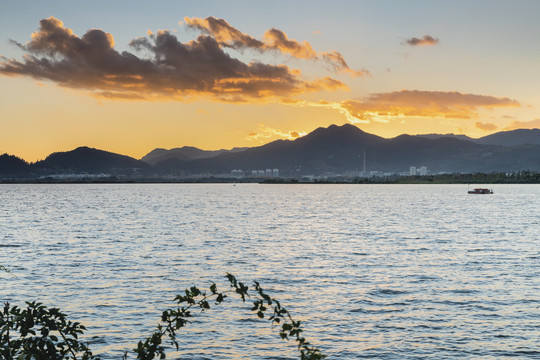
(374, 271)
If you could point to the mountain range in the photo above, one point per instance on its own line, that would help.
(331, 150)
(503, 138)
(185, 153)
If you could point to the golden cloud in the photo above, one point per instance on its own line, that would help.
(273, 40)
(485, 126)
(415, 103)
(173, 71)
(265, 133)
(532, 124)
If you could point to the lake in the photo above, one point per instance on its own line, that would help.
(373, 271)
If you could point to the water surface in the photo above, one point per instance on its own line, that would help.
(374, 271)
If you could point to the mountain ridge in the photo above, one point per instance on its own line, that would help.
(343, 148)
(182, 153)
(331, 150)
(501, 138)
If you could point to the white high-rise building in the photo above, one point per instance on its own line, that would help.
(422, 171)
(412, 170)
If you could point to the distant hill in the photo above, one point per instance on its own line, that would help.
(183, 154)
(335, 144)
(502, 138)
(454, 136)
(12, 165)
(332, 150)
(511, 138)
(85, 159)
(339, 149)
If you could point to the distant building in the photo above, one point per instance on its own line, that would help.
(237, 173)
(422, 171)
(412, 170)
(275, 172)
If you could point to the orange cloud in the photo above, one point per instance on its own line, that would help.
(223, 32)
(277, 40)
(427, 40)
(265, 133)
(420, 104)
(485, 126)
(273, 40)
(532, 124)
(174, 70)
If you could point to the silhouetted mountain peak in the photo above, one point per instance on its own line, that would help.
(333, 130)
(10, 164)
(80, 153)
(89, 159)
(344, 136)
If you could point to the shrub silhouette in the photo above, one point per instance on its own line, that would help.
(37, 332)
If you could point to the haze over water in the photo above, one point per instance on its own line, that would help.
(373, 271)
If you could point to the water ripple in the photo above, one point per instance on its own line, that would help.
(374, 272)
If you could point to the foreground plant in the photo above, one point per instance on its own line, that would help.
(41, 333)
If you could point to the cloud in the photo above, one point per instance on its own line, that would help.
(273, 40)
(265, 133)
(532, 124)
(427, 40)
(409, 103)
(171, 70)
(485, 126)
(223, 32)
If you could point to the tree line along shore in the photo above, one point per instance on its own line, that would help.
(522, 177)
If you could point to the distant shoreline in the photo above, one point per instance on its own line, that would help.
(523, 177)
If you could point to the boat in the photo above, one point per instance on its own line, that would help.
(480, 191)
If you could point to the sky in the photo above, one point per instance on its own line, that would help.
(132, 76)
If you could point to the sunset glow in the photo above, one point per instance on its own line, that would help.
(212, 76)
